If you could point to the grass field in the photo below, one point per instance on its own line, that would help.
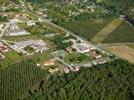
(20, 38)
(41, 58)
(87, 28)
(76, 58)
(123, 52)
(11, 58)
(99, 37)
(123, 33)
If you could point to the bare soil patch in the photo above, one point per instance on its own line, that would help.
(124, 52)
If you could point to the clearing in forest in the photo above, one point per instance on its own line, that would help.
(99, 37)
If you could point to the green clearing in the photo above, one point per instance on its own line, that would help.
(74, 58)
(13, 56)
(123, 33)
(87, 28)
(41, 58)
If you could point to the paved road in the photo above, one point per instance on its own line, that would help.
(5, 42)
(50, 23)
(3, 31)
(61, 28)
(58, 27)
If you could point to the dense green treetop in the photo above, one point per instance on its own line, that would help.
(112, 81)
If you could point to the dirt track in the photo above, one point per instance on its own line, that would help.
(99, 37)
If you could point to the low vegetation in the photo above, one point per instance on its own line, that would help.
(75, 58)
(87, 28)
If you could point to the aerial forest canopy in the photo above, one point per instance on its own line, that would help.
(112, 81)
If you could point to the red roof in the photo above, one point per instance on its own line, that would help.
(2, 48)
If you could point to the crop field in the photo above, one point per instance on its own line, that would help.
(87, 28)
(123, 33)
(99, 37)
(123, 52)
(17, 79)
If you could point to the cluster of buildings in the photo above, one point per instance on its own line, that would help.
(83, 47)
(96, 55)
(3, 48)
(14, 30)
(91, 50)
(37, 45)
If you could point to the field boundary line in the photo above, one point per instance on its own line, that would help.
(99, 37)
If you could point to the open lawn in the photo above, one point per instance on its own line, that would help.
(123, 33)
(41, 58)
(12, 56)
(74, 58)
(123, 52)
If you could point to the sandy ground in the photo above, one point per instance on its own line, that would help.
(124, 52)
(99, 37)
